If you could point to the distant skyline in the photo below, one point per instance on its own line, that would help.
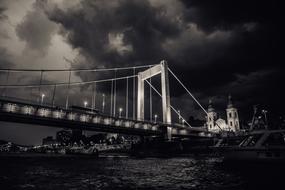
(217, 47)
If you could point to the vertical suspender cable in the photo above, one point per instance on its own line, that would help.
(134, 94)
(31, 95)
(115, 94)
(7, 80)
(53, 95)
(94, 96)
(127, 99)
(111, 96)
(150, 101)
(41, 78)
(68, 87)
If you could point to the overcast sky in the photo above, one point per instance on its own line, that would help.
(217, 47)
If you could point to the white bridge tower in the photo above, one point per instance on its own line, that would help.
(162, 69)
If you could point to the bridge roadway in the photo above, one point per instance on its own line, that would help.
(21, 112)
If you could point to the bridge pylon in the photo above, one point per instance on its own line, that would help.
(161, 69)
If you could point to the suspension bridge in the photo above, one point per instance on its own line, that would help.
(103, 115)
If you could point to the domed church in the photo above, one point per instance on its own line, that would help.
(217, 125)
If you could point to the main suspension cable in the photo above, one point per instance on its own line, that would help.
(188, 91)
(75, 70)
(64, 83)
(170, 105)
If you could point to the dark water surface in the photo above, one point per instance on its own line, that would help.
(43, 172)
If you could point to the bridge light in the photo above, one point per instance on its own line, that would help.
(155, 118)
(120, 112)
(183, 121)
(42, 101)
(103, 103)
(85, 103)
(179, 116)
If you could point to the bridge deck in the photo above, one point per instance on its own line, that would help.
(20, 112)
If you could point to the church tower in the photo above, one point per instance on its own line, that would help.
(211, 117)
(232, 116)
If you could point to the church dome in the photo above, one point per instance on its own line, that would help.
(210, 107)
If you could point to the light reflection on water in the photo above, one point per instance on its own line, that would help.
(124, 173)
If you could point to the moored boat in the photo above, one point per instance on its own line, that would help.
(262, 145)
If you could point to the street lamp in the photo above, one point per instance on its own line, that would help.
(42, 101)
(183, 121)
(120, 112)
(155, 118)
(85, 103)
(179, 116)
(103, 103)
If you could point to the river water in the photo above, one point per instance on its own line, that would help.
(52, 172)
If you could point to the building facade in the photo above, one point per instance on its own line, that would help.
(217, 125)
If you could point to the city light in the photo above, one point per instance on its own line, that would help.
(42, 101)
(155, 118)
(183, 121)
(103, 103)
(85, 103)
(120, 112)
(179, 116)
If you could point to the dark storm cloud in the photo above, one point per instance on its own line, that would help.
(119, 32)
(36, 29)
(4, 58)
(3, 18)
(2, 15)
(223, 14)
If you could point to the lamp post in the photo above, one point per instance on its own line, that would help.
(120, 112)
(183, 121)
(179, 116)
(85, 103)
(103, 103)
(42, 100)
(155, 118)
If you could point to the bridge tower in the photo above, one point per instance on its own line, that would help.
(162, 69)
(232, 116)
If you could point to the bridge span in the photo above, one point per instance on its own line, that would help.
(40, 113)
(21, 112)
